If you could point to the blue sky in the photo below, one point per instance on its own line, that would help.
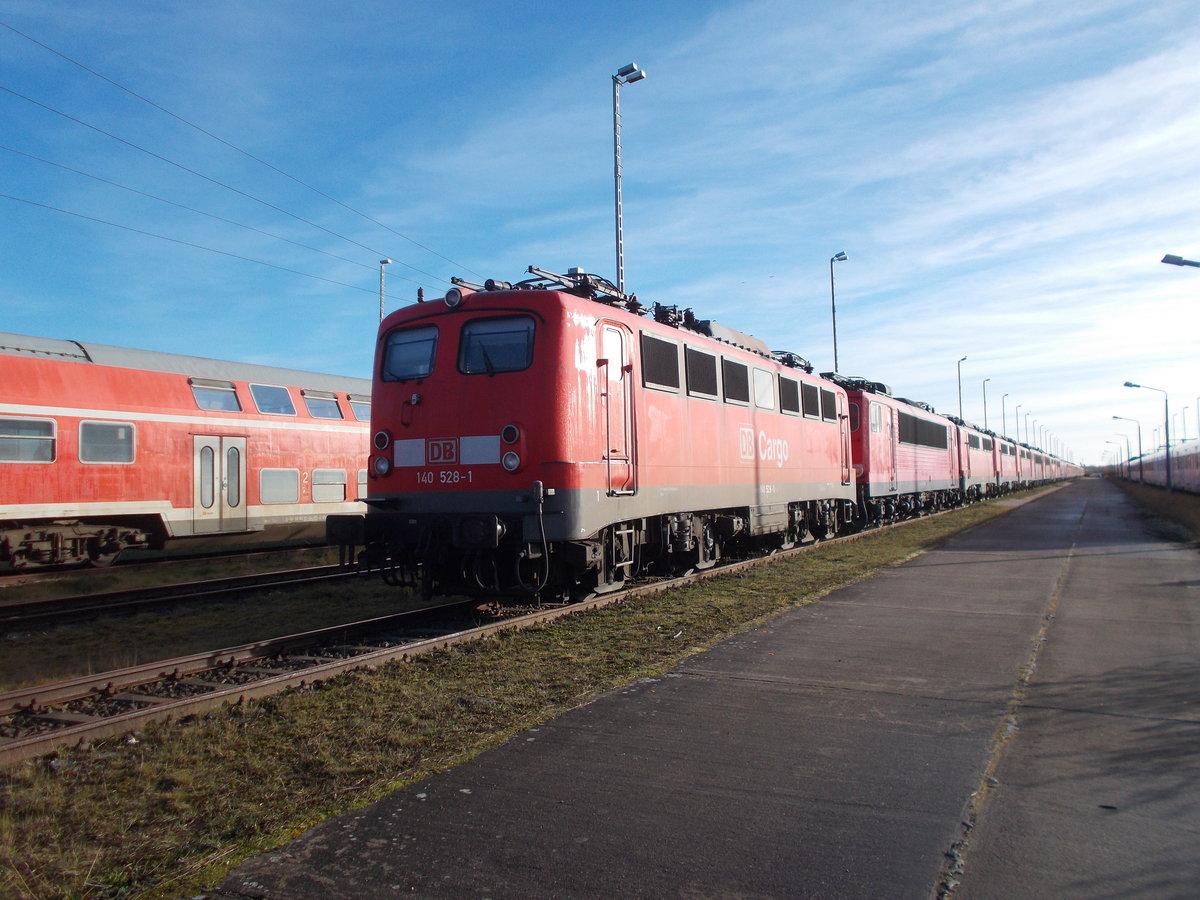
(1004, 177)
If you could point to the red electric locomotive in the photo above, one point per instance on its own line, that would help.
(906, 456)
(546, 437)
(104, 449)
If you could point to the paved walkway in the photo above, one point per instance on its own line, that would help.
(1018, 707)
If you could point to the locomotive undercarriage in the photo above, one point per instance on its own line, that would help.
(431, 558)
(64, 543)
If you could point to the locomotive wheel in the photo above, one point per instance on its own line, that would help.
(103, 560)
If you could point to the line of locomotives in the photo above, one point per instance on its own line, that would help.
(106, 449)
(1185, 467)
(551, 438)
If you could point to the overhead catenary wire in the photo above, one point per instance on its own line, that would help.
(211, 180)
(192, 209)
(245, 153)
(163, 237)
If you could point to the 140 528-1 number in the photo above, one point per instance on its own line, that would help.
(447, 476)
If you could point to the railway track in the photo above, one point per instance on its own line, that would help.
(35, 721)
(30, 614)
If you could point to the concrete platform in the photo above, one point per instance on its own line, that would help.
(1049, 657)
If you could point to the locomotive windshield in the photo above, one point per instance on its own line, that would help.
(489, 346)
(409, 353)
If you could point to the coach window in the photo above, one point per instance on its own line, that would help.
(207, 456)
(811, 395)
(828, 405)
(764, 389)
(106, 442)
(660, 363)
(328, 485)
(408, 353)
(27, 440)
(215, 395)
(360, 406)
(491, 346)
(737, 381)
(701, 373)
(272, 400)
(321, 404)
(279, 485)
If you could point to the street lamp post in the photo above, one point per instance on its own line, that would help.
(960, 362)
(627, 74)
(382, 263)
(1128, 456)
(840, 256)
(1027, 412)
(1141, 464)
(1172, 260)
(985, 381)
(1003, 416)
(1166, 422)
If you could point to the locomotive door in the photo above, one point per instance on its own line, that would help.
(844, 425)
(218, 484)
(894, 444)
(614, 372)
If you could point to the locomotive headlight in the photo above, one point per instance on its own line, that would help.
(382, 440)
(511, 461)
(454, 298)
(381, 466)
(510, 434)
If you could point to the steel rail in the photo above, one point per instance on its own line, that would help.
(117, 684)
(54, 611)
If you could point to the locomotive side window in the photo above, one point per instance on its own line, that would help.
(789, 395)
(408, 354)
(360, 406)
(828, 405)
(106, 442)
(279, 485)
(764, 389)
(489, 346)
(272, 400)
(328, 485)
(811, 395)
(660, 363)
(737, 381)
(27, 440)
(855, 417)
(701, 373)
(922, 432)
(321, 404)
(876, 418)
(987, 443)
(215, 395)
(973, 441)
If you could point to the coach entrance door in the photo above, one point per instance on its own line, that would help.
(218, 484)
(614, 372)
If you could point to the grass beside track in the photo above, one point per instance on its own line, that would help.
(171, 809)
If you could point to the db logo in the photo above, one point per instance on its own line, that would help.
(442, 451)
(746, 442)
